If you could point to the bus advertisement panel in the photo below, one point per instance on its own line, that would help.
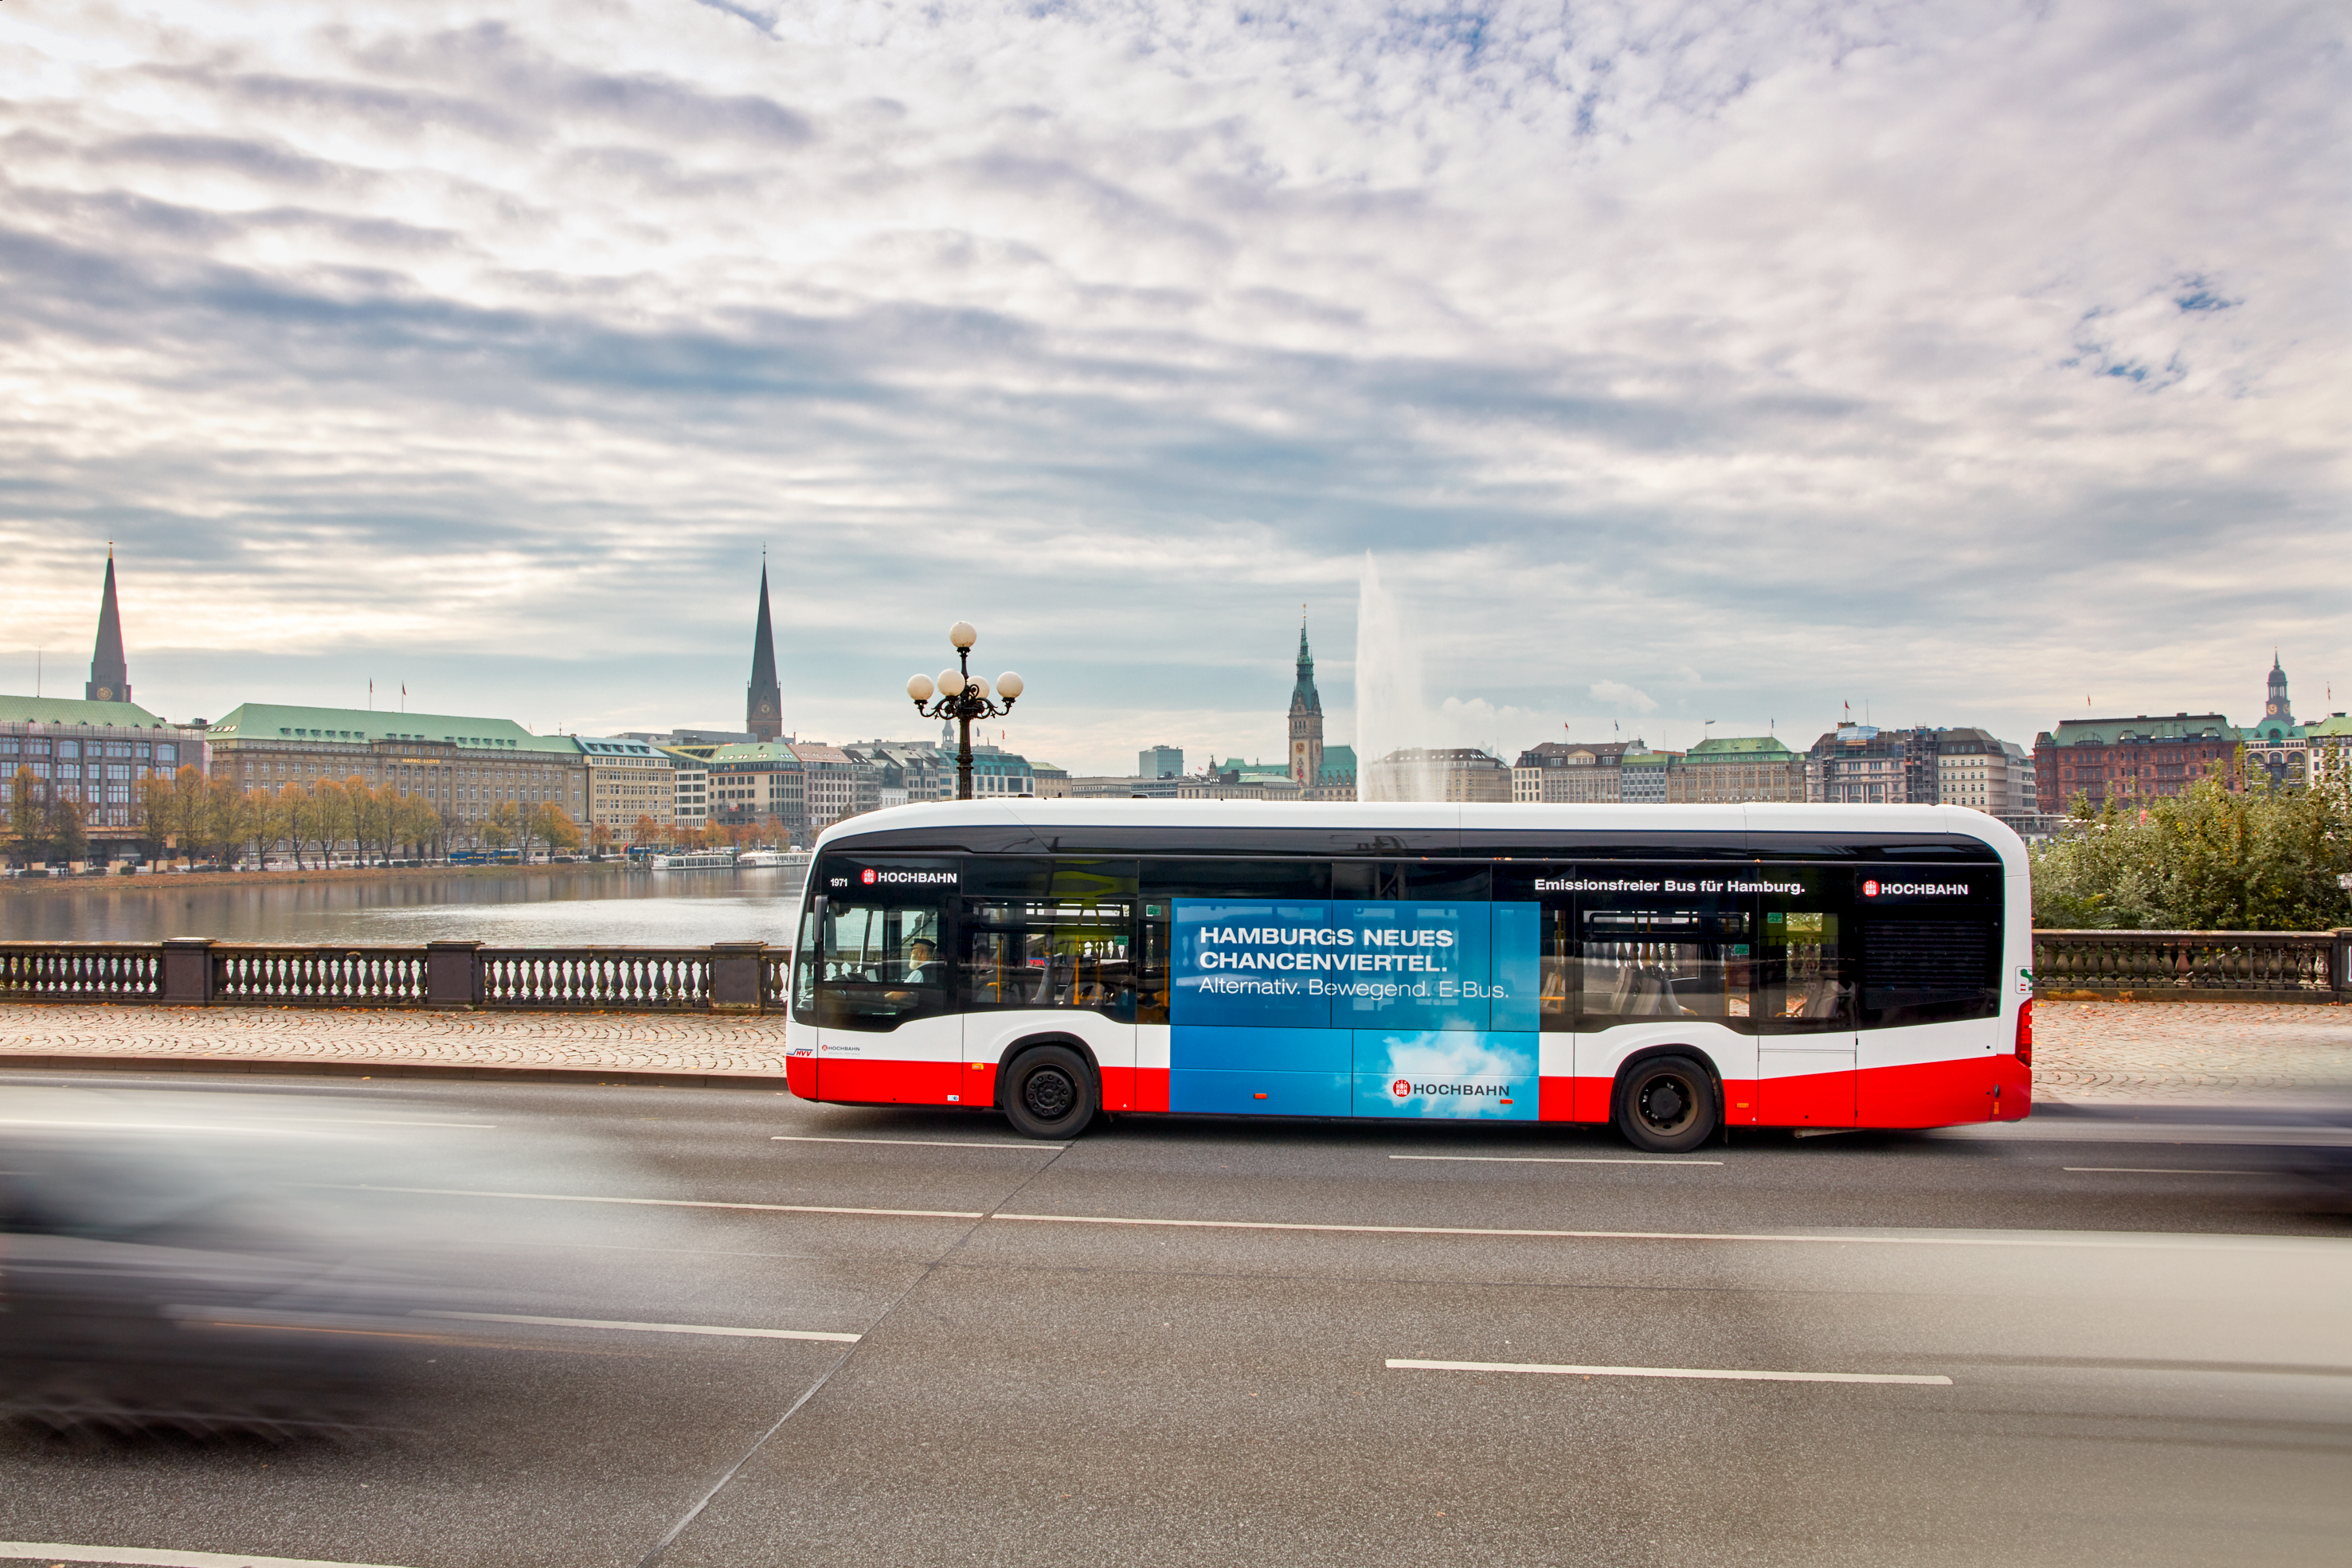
(1345, 1009)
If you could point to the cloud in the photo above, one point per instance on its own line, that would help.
(1935, 359)
(1618, 695)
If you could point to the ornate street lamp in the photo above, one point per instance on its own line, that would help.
(963, 697)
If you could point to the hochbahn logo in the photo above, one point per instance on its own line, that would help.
(1405, 1089)
(870, 876)
(1874, 888)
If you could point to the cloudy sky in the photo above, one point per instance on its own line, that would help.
(1672, 362)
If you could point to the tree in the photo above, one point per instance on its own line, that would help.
(2211, 858)
(551, 825)
(27, 819)
(600, 836)
(62, 828)
(503, 826)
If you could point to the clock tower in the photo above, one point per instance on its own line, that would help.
(1306, 719)
(763, 703)
(109, 679)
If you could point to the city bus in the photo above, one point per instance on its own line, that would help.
(1674, 971)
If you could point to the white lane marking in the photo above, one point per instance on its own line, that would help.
(1725, 1374)
(645, 1327)
(681, 1203)
(2109, 1240)
(148, 1557)
(2156, 1170)
(918, 1143)
(1555, 1160)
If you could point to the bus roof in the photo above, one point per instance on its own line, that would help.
(1409, 828)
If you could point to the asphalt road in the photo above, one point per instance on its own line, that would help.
(2110, 1341)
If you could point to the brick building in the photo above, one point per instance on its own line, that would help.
(2109, 759)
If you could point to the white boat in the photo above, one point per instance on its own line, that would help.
(695, 859)
(773, 860)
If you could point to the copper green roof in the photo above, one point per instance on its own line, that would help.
(275, 722)
(1741, 749)
(73, 710)
(2114, 731)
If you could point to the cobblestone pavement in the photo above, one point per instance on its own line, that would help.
(2188, 1051)
(640, 1042)
(2083, 1051)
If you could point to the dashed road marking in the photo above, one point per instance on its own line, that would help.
(1716, 1373)
(681, 1203)
(712, 1329)
(150, 1557)
(2155, 1170)
(1554, 1160)
(918, 1143)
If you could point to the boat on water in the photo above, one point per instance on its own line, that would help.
(773, 860)
(694, 860)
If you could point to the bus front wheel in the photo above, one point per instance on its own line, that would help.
(1050, 1093)
(1667, 1106)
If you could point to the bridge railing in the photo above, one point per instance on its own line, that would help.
(2194, 966)
(753, 977)
(727, 978)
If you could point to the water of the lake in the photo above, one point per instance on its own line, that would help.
(591, 906)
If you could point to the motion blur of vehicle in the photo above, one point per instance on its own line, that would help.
(224, 1261)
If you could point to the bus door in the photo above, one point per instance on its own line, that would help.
(1663, 958)
(1047, 948)
(1804, 998)
(876, 983)
(1933, 1038)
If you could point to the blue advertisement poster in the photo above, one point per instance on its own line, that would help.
(1397, 1008)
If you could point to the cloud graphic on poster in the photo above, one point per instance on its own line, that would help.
(1453, 1056)
(1617, 694)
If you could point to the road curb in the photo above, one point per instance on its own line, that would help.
(299, 1068)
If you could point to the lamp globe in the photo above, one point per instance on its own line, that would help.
(920, 688)
(1009, 685)
(962, 635)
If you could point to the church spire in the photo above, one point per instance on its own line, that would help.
(109, 678)
(1305, 716)
(763, 703)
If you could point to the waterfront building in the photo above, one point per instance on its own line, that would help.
(763, 701)
(1642, 777)
(995, 771)
(1237, 782)
(1168, 761)
(1976, 768)
(1433, 773)
(1052, 783)
(1123, 787)
(94, 754)
(628, 780)
(1860, 764)
(465, 766)
(908, 772)
(750, 784)
(690, 788)
(1735, 769)
(691, 737)
(2277, 747)
(1562, 772)
(2102, 759)
(834, 785)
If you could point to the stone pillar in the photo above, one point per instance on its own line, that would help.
(735, 975)
(453, 975)
(187, 971)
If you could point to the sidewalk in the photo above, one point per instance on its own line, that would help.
(2092, 1051)
(2084, 1052)
(693, 1043)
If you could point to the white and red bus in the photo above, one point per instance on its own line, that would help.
(1674, 970)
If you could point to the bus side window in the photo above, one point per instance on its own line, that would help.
(1558, 964)
(1153, 935)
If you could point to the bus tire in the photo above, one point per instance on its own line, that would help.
(1667, 1104)
(1050, 1093)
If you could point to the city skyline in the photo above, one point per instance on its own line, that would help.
(1672, 372)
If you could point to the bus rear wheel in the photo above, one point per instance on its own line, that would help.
(1667, 1106)
(1049, 1092)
